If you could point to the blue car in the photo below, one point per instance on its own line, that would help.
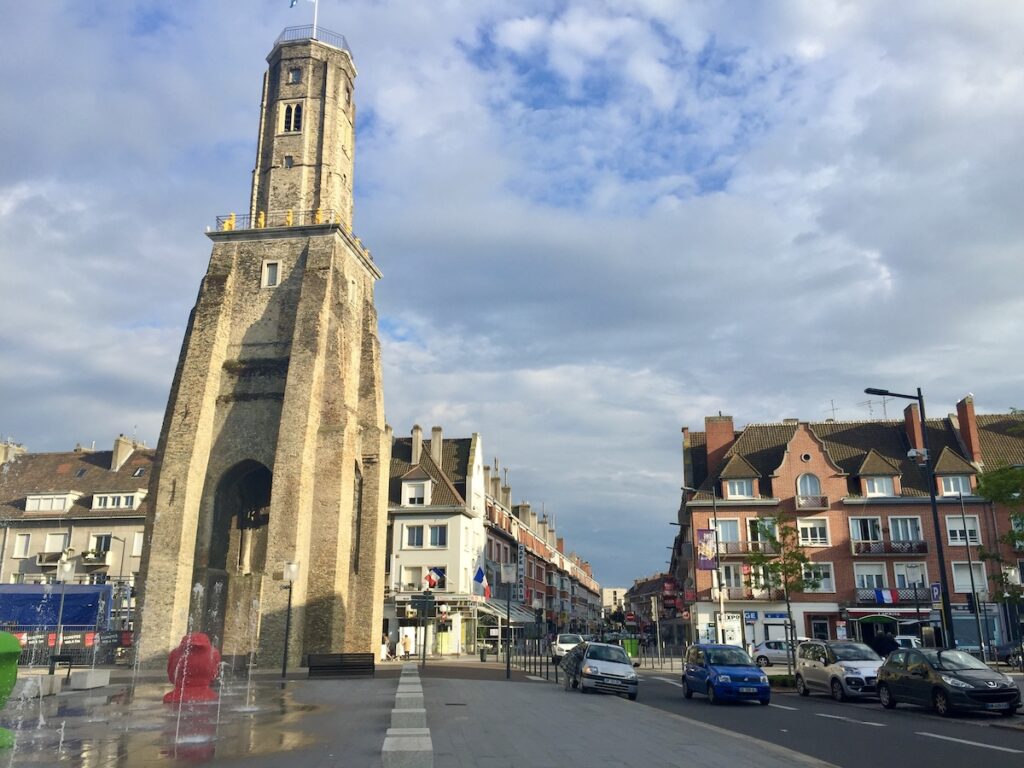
(724, 673)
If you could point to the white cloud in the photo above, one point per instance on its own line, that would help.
(598, 222)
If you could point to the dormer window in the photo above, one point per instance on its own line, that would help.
(139, 472)
(50, 502)
(739, 489)
(954, 485)
(878, 486)
(117, 500)
(415, 494)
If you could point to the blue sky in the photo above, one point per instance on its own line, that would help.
(598, 221)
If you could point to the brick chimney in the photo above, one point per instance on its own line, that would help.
(912, 421)
(560, 544)
(123, 448)
(720, 436)
(417, 444)
(436, 436)
(969, 428)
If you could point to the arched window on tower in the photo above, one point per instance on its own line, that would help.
(292, 118)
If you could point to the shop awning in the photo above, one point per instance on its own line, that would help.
(497, 608)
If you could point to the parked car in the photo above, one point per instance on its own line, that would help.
(1008, 652)
(839, 667)
(908, 641)
(946, 681)
(723, 673)
(770, 652)
(562, 645)
(601, 667)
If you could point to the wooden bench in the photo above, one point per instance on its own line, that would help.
(341, 664)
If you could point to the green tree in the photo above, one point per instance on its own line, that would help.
(780, 564)
(1005, 486)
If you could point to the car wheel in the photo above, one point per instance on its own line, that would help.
(762, 661)
(801, 686)
(632, 696)
(940, 701)
(885, 697)
(766, 702)
(712, 699)
(687, 693)
(838, 693)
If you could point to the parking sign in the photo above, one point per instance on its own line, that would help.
(936, 592)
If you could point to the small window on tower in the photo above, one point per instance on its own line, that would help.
(295, 75)
(289, 161)
(271, 273)
(292, 118)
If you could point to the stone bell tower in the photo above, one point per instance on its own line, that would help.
(273, 457)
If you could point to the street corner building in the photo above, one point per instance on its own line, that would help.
(859, 496)
(273, 457)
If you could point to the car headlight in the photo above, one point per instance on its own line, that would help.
(589, 670)
(631, 676)
(955, 682)
(724, 679)
(764, 679)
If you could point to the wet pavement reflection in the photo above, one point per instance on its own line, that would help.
(126, 727)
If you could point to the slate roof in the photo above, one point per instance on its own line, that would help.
(863, 447)
(1002, 439)
(449, 479)
(35, 473)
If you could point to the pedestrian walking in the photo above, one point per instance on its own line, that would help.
(406, 647)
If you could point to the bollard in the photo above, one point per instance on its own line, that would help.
(483, 653)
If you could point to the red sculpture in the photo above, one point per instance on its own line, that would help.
(191, 667)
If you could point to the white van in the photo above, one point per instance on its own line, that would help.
(908, 641)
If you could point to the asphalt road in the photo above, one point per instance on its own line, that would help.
(851, 734)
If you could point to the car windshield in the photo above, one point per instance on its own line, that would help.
(729, 657)
(608, 653)
(954, 660)
(569, 639)
(854, 652)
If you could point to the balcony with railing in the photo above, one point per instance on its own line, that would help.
(310, 32)
(861, 547)
(744, 548)
(97, 558)
(901, 596)
(49, 559)
(740, 593)
(809, 503)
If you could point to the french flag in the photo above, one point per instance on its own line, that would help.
(481, 578)
(886, 596)
(434, 575)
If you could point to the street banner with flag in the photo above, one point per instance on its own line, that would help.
(706, 555)
(433, 577)
(481, 578)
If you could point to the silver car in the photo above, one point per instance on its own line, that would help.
(601, 667)
(839, 667)
(562, 645)
(770, 652)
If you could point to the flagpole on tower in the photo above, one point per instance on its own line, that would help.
(316, 10)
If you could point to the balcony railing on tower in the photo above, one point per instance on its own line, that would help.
(309, 32)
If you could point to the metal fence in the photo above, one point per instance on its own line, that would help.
(309, 32)
(275, 219)
(80, 645)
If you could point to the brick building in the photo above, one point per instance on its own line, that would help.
(858, 494)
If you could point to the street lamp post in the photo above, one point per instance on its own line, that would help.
(947, 610)
(538, 615)
(291, 573)
(65, 568)
(719, 628)
(508, 575)
(916, 568)
(970, 570)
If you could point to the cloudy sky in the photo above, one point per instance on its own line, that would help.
(598, 221)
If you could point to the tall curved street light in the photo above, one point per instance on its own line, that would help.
(947, 610)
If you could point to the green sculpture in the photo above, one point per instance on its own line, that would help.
(10, 650)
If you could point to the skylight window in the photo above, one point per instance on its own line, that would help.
(80, 473)
(139, 472)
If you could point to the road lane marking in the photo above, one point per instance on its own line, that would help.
(670, 682)
(782, 706)
(538, 679)
(850, 720)
(972, 743)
